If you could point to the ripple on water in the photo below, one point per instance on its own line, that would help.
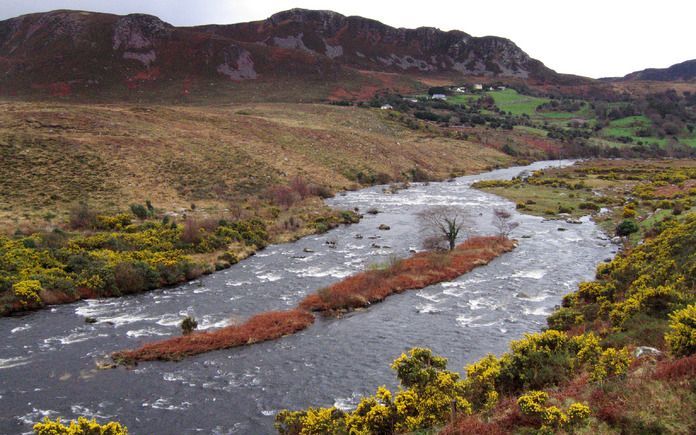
(347, 403)
(269, 277)
(167, 404)
(6, 363)
(146, 332)
(36, 415)
(75, 337)
(531, 273)
(20, 328)
(237, 283)
(538, 311)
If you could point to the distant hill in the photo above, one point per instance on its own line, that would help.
(73, 52)
(684, 71)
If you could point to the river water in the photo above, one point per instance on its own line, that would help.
(47, 358)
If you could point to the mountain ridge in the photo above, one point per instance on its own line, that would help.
(682, 71)
(65, 52)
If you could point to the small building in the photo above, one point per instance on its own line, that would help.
(478, 87)
(501, 88)
(387, 107)
(439, 97)
(461, 90)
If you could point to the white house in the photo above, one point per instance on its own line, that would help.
(387, 107)
(478, 87)
(439, 97)
(461, 90)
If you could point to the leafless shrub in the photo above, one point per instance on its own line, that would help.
(446, 222)
(283, 196)
(503, 223)
(82, 217)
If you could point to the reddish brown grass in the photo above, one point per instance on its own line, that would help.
(471, 425)
(674, 370)
(509, 417)
(261, 327)
(417, 272)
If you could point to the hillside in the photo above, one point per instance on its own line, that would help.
(323, 54)
(55, 154)
(683, 71)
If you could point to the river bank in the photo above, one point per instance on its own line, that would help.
(54, 350)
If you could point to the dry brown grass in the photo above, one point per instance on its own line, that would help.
(53, 154)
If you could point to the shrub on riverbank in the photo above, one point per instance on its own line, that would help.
(427, 396)
(416, 272)
(111, 256)
(82, 426)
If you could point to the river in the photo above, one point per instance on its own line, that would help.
(47, 358)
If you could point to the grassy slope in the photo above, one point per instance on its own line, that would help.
(55, 153)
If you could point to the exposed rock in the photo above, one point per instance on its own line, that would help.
(641, 351)
(237, 64)
(138, 32)
(384, 227)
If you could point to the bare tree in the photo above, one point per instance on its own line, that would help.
(443, 223)
(503, 223)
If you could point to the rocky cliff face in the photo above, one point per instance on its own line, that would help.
(61, 52)
(365, 43)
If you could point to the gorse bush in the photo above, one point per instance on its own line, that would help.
(552, 419)
(681, 337)
(27, 292)
(82, 426)
(428, 394)
(648, 282)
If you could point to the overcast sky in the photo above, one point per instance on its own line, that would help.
(595, 38)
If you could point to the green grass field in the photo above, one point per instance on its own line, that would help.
(627, 127)
(511, 101)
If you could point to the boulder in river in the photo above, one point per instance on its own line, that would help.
(384, 227)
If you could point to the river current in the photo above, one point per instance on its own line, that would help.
(47, 358)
